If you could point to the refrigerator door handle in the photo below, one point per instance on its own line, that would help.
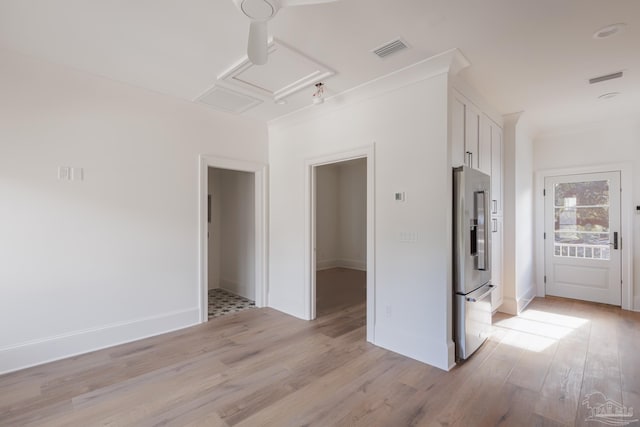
(481, 207)
(481, 297)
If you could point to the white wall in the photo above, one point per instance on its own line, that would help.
(412, 281)
(599, 144)
(519, 278)
(341, 215)
(327, 217)
(353, 214)
(237, 232)
(87, 264)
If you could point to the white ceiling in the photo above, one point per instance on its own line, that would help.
(527, 55)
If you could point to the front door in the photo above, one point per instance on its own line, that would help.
(582, 237)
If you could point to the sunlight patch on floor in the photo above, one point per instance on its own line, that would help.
(536, 330)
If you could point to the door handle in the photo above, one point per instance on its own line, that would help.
(470, 159)
(615, 240)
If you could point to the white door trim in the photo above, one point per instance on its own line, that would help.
(260, 172)
(626, 219)
(368, 153)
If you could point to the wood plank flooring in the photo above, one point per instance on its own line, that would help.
(263, 368)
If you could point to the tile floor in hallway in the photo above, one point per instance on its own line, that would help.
(223, 302)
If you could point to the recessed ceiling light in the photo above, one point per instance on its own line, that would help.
(280, 101)
(609, 95)
(609, 31)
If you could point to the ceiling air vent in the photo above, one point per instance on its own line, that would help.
(390, 48)
(605, 78)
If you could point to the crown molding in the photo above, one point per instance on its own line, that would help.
(449, 62)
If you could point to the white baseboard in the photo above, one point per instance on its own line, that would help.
(237, 289)
(515, 306)
(451, 348)
(327, 264)
(354, 264)
(636, 304)
(341, 263)
(38, 352)
(509, 306)
(525, 300)
(413, 346)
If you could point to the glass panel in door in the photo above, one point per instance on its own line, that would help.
(581, 226)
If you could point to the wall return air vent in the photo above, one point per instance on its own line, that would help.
(605, 78)
(390, 48)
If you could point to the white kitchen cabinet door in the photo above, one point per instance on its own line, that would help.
(484, 152)
(457, 132)
(496, 169)
(472, 135)
(496, 263)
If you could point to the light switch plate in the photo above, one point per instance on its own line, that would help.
(77, 174)
(64, 173)
(409, 236)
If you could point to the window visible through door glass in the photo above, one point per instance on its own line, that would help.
(582, 220)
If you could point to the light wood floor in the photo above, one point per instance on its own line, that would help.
(261, 367)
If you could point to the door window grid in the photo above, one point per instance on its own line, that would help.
(582, 220)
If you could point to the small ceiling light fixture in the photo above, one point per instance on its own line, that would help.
(318, 95)
(280, 101)
(609, 31)
(609, 95)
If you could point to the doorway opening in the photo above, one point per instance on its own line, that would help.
(232, 236)
(231, 241)
(341, 240)
(341, 235)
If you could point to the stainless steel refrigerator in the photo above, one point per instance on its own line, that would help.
(472, 260)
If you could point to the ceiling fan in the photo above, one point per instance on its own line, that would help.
(260, 12)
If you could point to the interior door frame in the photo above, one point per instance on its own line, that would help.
(260, 203)
(626, 223)
(367, 153)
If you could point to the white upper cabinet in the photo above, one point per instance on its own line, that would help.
(457, 132)
(476, 141)
(496, 168)
(466, 135)
(472, 135)
(485, 154)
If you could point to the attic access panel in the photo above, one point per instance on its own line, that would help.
(228, 100)
(286, 72)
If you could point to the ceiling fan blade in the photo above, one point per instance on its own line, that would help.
(286, 3)
(257, 46)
